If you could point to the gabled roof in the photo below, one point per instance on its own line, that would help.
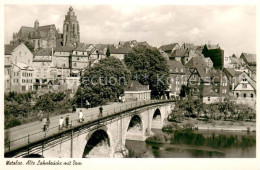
(136, 86)
(26, 30)
(44, 52)
(233, 72)
(179, 53)
(143, 43)
(119, 50)
(101, 46)
(9, 48)
(234, 60)
(249, 58)
(64, 49)
(249, 79)
(208, 92)
(168, 47)
(81, 47)
(173, 64)
(196, 62)
(188, 46)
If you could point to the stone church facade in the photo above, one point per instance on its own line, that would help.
(48, 36)
(71, 34)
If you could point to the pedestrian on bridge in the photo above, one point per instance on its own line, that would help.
(100, 111)
(61, 123)
(48, 123)
(67, 121)
(44, 120)
(80, 116)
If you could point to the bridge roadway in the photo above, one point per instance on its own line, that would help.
(23, 134)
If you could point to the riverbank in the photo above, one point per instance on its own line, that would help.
(218, 125)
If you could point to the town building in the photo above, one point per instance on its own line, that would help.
(18, 68)
(245, 90)
(80, 60)
(215, 53)
(178, 76)
(42, 66)
(134, 91)
(62, 61)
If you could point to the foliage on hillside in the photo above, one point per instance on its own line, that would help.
(22, 108)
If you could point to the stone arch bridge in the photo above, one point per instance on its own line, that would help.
(104, 137)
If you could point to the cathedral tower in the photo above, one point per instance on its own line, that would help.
(71, 35)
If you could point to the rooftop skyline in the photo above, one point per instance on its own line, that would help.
(233, 27)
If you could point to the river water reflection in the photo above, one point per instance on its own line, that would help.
(224, 145)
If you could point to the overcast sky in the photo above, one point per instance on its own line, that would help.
(233, 27)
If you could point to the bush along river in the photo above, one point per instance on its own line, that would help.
(188, 143)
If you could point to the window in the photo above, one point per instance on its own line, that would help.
(75, 64)
(216, 90)
(78, 58)
(208, 98)
(244, 86)
(244, 95)
(237, 94)
(252, 95)
(224, 91)
(63, 65)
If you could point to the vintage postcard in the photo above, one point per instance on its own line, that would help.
(129, 82)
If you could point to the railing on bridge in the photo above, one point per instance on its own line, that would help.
(26, 140)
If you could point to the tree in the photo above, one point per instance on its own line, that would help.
(108, 52)
(27, 44)
(149, 67)
(103, 82)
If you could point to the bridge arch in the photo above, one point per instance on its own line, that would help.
(134, 129)
(98, 143)
(157, 114)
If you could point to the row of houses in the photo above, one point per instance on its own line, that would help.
(55, 67)
(196, 71)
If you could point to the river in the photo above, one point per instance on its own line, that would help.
(224, 144)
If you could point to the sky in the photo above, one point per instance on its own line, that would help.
(233, 27)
